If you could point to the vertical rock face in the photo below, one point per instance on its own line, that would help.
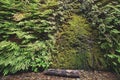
(76, 43)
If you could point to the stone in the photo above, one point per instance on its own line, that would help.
(62, 73)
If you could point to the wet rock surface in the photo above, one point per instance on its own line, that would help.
(84, 75)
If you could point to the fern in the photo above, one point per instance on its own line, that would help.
(105, 19)
(26, 34)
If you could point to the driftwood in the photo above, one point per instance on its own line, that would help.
(62, 73)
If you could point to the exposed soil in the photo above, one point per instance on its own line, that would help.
(84, 75)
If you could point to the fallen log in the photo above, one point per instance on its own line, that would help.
(62, 73)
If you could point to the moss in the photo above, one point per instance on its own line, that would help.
(69, 45)
(96, 59)
(79, 25)
(76, 46)
(76, 42)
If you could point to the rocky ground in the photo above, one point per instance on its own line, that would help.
(84, 75)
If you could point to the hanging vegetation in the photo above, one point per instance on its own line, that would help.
(26, 34)
(76, 34)
(104, 16)
(76, 41)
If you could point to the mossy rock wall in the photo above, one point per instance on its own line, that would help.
(76, 45)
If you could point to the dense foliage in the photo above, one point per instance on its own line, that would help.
(78, 33)
(76, 44)
(26, 34)
(104, 16)
(71, 50)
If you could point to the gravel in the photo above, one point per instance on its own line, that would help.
(84, 75)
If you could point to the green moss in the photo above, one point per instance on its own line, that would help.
(69, 45)
(76, 42)
(75, 50)
(79, 25)
(96, 59)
